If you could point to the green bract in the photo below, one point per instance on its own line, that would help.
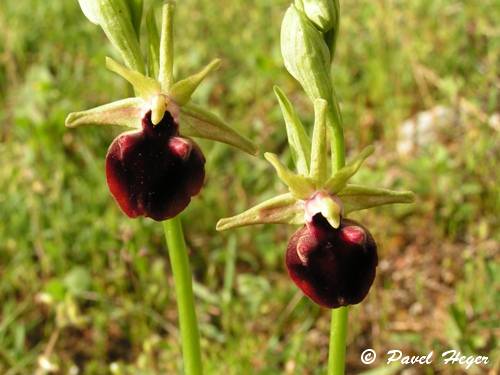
(157, 92)
(306, 54)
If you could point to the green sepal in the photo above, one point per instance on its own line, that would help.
(283, 209)
(321, 12)
(201, 123)
(301, 187)
(135, 8)
(182, 90)
(358, 197)
(144, 86)
(298, 140)
(319, 152)
(305, 54)
(125, 112)
(339, 179)
(153, 43)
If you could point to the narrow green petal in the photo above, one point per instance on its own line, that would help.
(201, 123)
(145, 87)
(300, 144)
(125, 112)
(319, 152)
(300, 186)
(358, 197)
(339, 179)
(182, 90)
(283, 209)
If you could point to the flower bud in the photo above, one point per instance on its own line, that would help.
(333, 267)
(306, 54)
(154, 172)
(321, 12)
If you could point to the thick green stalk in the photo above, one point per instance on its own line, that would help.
(179, 261)
(338, 334)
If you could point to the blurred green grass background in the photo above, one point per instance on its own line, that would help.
(85, 290)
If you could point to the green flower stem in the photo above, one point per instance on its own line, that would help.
(338, 334)
(190, 334)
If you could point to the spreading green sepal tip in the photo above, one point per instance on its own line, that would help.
(123, 112)
(283, 209)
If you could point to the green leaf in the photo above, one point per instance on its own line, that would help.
(300, 144)
(306, 54)
(144, 86)
(321, 12)
(182, 90)
(125, 112)
(357, 197)
(116, 21)
(319, 152)
(300, 186)
(135, 8)
(339, 179)
(153, 43)
(199, 122)
(283, 209)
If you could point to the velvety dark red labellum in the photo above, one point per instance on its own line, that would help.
(154, 172)
(333, 267)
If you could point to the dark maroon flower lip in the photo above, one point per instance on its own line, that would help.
(154, 172)
(333, 267)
